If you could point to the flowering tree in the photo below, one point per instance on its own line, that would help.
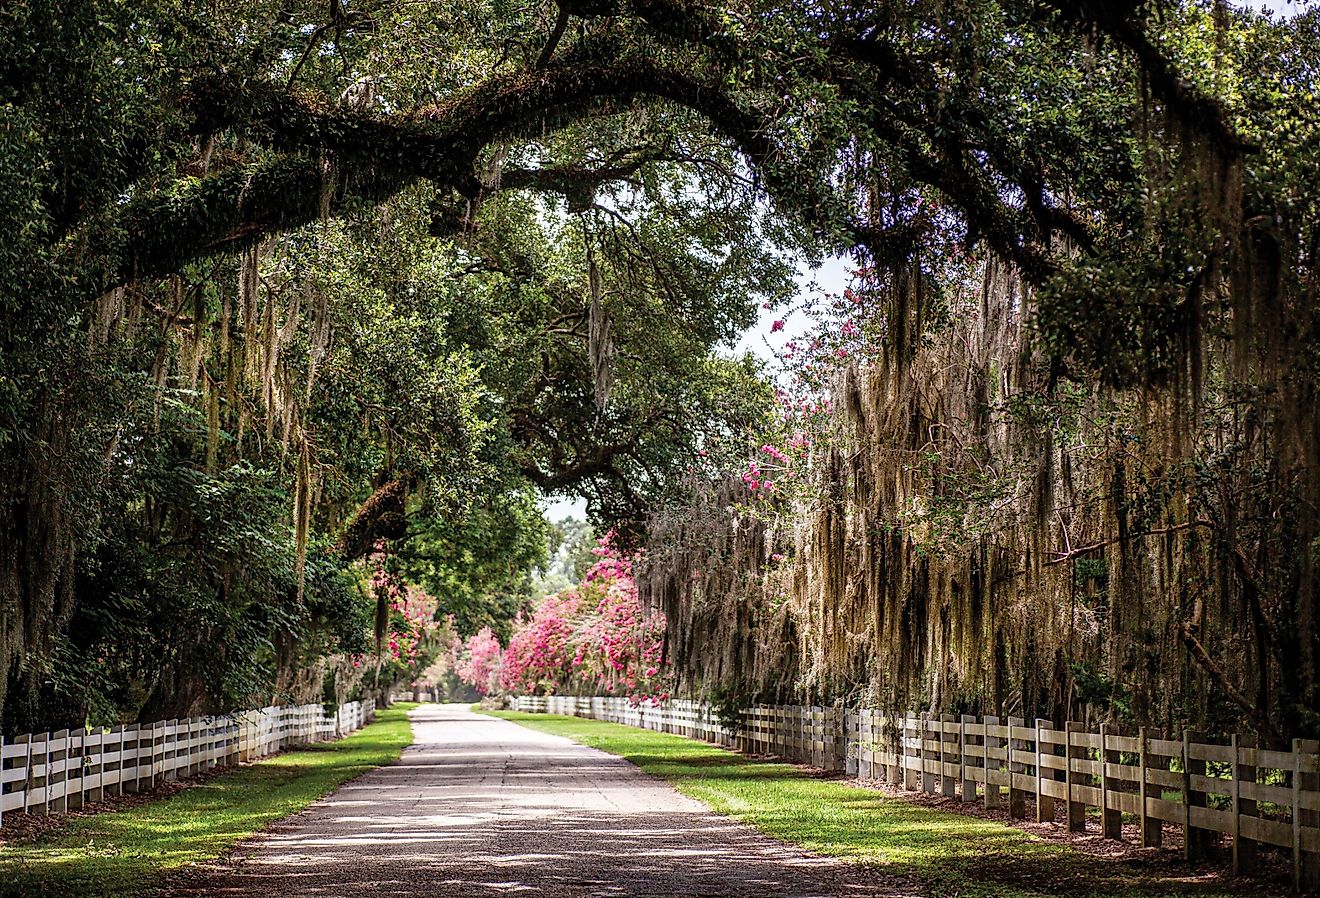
(620, 647)
(541, 650)
(408, 636)
(591, 637)
(477, 661)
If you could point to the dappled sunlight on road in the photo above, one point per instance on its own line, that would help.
(482, 806)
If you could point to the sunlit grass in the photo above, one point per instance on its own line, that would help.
(129, 852)
(945, 853)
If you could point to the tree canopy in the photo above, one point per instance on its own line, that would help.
(289, 282)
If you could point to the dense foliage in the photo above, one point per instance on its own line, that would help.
(243, 458)
(287, 281)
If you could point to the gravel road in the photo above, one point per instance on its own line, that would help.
(481, 806)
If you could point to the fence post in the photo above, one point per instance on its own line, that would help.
(800, 746)
(990, 791)
(782, 732)
(129, 734)
(28, 780)
(1306, 865)
(946, 782)
(169, 749)
(77, 761)
(132, 734)
(799, 730)
(1044, 803)
(911, 766)
(802, 749)
(925, 755)
(826, 740)
(882, 758)
(1111, 819)
(159, 734)
(155, 753)
(851, 737)
(967, 791)
(171, 752)
(1244, 849)
(795, 745)
(852, 750)
(1152, 828)
(57, 786)
(205, 743)
(45, 773)
(1076, 809)
(1017, 801)
(120, 730)
(1195, 841)
(865, 758)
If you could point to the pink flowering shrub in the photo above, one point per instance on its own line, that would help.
(477, 661)
(591, 638)
(413, 636)
(540, 653)
(620, 647)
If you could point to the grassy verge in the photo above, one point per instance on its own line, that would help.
(946, 853)
(129, 852)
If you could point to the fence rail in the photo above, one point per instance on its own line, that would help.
(51, 773)
(1251, 795)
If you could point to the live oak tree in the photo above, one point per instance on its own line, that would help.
(1124, 158)
(384, 385)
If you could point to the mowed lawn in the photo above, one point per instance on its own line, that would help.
(941, 852)
(131, 852)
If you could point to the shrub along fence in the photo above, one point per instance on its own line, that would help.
(50, 773)
(1252, 795)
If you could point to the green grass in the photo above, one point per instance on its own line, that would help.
(130, 852)
(945, 853)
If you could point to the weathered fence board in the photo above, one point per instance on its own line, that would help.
(1253, 796)
(51, 773)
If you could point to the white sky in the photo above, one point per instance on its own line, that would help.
(831, 277)
(1286, 7)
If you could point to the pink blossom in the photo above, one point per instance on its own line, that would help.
(777, 326)
(477, 661)
(594, 636)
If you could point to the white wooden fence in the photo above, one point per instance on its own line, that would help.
(50, 773)
(1251, 795)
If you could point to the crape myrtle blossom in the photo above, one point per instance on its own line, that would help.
(412, 631)
(845, 331)
(593, 637)
(477, 660)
